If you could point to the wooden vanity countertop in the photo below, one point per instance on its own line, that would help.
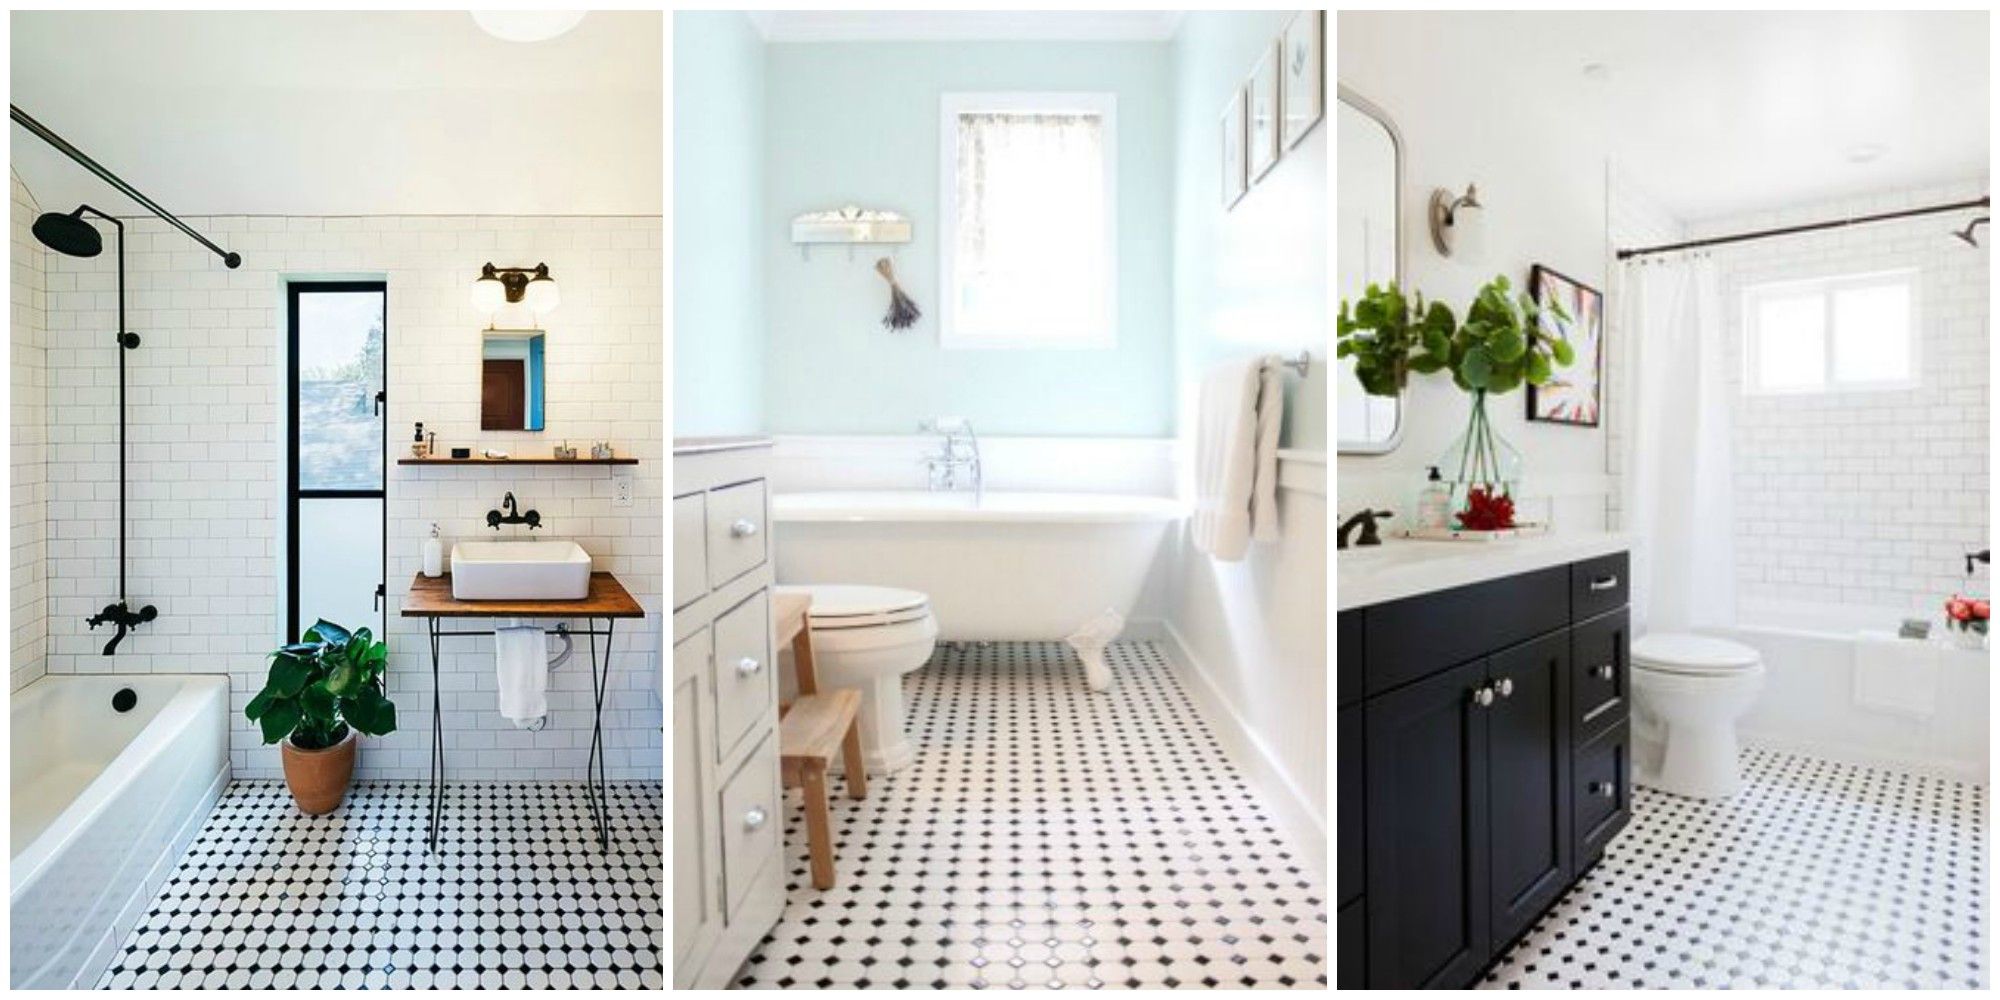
(431, 598)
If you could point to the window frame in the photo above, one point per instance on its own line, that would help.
(1826, 287)
(953, 104)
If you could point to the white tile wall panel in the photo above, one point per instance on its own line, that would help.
(27, 422)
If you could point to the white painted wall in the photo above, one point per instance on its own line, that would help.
(28, 485)
(207, 397)
(1865, 498)
(1539, 165)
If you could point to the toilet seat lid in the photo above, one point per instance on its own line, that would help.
(1684, 653)
(851, 606)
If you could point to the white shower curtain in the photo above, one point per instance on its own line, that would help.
(1678, 502)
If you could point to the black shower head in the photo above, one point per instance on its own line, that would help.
(69, 234)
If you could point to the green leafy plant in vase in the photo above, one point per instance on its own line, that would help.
(321, 693)
(1500, 346)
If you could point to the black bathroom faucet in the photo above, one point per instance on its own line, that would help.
(1366, 520)
(494, 519)
(122, 616)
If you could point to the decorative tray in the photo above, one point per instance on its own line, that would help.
(1524, 530)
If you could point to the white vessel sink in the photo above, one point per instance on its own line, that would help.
(519, 571)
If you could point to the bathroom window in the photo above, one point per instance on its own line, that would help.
(1831, 334)
(1029, 221)
(336, 463)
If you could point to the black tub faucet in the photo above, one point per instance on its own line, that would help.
(1983, 555)
(124, 617)
(1366, 520)
(494, 519)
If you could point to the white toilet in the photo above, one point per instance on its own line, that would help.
(1687, 693)
(867, 638)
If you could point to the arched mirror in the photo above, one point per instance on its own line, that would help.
(1369, 220)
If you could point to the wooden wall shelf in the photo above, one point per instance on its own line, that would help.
(540, 460)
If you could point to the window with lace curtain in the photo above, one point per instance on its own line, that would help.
(1029, 226)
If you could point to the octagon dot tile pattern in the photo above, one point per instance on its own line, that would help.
(1816, 874)
(517, 894)
(1050, 836)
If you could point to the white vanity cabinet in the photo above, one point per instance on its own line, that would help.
(727, 807)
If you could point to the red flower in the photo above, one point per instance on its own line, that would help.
(1960, 609)
(1486, 510)
(1981, 610)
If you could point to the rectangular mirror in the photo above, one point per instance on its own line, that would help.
(510, 379)
(1369, 222)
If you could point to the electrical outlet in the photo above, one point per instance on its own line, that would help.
(621, 491)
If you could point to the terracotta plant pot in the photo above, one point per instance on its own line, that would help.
(319, 778)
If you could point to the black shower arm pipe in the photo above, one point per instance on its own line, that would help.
(42, 132)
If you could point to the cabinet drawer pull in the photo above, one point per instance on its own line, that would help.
(1604, 789)
(1482, 697)
(1604, 671)
(754, 819)
(747, 666)
(744, 528)
(1604, 583)
(1505, 686)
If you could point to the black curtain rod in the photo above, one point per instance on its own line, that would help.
(1807, 228)
(62, 146)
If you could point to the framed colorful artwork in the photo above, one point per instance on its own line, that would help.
(1574, 392)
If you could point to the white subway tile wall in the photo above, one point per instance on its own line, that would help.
(207, 421)
(28, 497)
(1867, 498)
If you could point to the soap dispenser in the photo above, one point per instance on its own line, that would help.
(1434, 502)
(434, 554)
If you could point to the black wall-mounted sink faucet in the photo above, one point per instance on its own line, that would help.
(494, 519)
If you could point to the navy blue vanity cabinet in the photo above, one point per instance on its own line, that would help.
(1493, 767)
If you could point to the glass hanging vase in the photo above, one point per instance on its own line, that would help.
(1483, 471)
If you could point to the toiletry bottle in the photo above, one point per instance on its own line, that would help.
(418, 449)
(1434, 502)
(434, 554)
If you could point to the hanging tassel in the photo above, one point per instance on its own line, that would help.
(903, 312)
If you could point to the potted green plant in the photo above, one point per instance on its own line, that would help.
(322, 692)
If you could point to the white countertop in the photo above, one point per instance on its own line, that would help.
(1406, 567)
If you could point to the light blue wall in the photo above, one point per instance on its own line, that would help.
(857, 123)
(1252, 278)
(719, 225)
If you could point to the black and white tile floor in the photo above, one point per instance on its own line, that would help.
(518, 894)
(1816, 874)
(1050, 836)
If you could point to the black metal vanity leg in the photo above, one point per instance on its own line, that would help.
(597, 730)
(437, 736)
(593, 764)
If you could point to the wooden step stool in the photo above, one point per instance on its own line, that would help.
(811, 729)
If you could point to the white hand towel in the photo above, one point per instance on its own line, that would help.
(521, 655)
(1896, 675)
(1236, 457)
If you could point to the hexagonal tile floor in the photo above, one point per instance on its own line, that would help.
(1046, 836)
(1816, 874)
(518, 895)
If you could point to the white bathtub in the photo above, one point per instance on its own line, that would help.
(1013, 566)
(1808, 701)
(103, 803)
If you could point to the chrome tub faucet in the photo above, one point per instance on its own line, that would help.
(955, 465)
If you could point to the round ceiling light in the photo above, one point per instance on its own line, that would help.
(527, 25)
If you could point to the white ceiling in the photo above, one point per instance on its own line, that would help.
(1718, 113)
(370, 113)
(966, 26)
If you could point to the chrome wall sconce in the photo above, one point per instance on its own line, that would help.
(1446, 222)
(530, 286)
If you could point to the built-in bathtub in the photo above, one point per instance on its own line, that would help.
(103, 803)
(1808, 704)
(1005, 566)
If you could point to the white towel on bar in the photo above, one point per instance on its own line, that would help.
(1236, 457)
(521, 654)
(1895, 675)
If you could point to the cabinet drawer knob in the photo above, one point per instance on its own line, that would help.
(1505, 686)
(1604, 671)
(1604, 583)
(1604, 789)
(747, 666)
(754, 819)
(744, 528)
(1482, 697)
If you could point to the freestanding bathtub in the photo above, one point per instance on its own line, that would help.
(104, 802)
(1008, 566)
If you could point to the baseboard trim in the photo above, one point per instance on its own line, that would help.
(1259, 764)
(1828, 750)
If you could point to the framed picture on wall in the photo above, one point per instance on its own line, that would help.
(1573, 393)
(1264, 115)
(1234, 180)
(1305, 77)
